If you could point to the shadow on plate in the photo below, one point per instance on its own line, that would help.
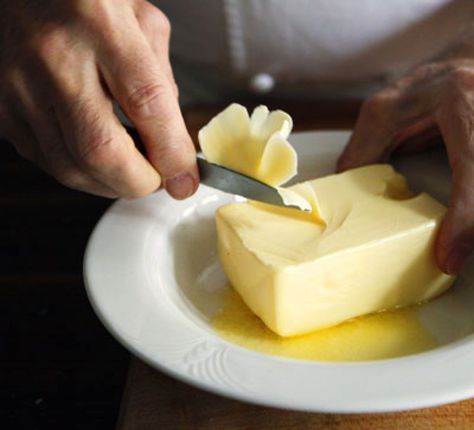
(202, 283)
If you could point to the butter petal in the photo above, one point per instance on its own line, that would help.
(263, 124)
(307, 193)
(257, 120)
(279, 161)
(255, 146)
(223, 138)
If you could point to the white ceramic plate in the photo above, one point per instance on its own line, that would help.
(153, 278)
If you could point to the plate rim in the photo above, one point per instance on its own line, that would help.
(432, 398)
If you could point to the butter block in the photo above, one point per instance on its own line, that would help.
(374, 251)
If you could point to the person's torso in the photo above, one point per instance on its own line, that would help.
(312, 43)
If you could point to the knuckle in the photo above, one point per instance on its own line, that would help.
(99, 153)
(94, 12)
(102, 24)
(143, 101)
(162, 23)
(428, 71)
(68, 177)
(460, 79)
(50, 42)
(462, 73)
(375, 107)
(379, 111)
(154, 21)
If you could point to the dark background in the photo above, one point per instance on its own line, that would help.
(60, 369)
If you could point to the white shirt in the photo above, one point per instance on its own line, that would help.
(277, 45)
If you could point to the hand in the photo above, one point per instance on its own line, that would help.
(62, 64)
(435, 98)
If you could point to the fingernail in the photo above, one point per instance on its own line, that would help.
(181, 186)
(456, 259)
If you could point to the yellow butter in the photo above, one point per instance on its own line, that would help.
(255, 145)
(371, 337)
(374, 252)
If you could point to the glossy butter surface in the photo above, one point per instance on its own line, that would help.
(377, 336)
(374, 252)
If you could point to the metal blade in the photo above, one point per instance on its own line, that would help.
(230, 181)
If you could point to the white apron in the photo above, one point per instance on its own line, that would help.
(308, 47)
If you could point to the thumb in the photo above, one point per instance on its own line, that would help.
(148, 98)
(455, 239)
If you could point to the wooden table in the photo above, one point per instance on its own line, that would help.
(153, 400)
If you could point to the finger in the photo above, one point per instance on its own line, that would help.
(17, 131)
(144, 92)
(401, 112)
(97, 141)
(47, 143)
(455, 240)
(149, 19)
(382, 127)
(456, 236)
(59, 161)
(372, 138)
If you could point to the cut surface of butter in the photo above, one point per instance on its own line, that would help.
(303, 196)
(292, 198)
(374, 251)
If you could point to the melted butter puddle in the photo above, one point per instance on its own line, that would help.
(386, 334)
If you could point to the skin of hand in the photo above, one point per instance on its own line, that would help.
(436, 99)
(63, 65)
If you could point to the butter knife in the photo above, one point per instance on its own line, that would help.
(233, 182)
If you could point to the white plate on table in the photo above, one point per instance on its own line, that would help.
(153, 278)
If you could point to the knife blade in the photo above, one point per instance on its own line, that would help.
(233, 182)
